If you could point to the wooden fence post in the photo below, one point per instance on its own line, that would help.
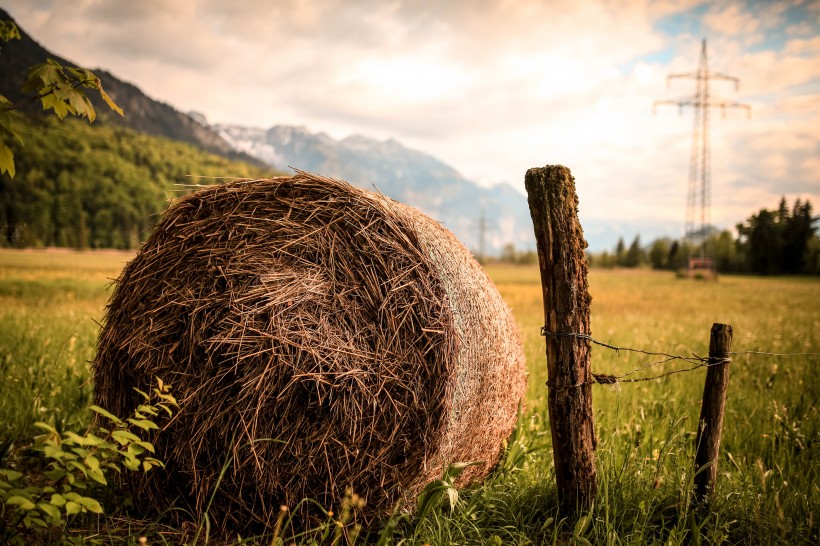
(710, 426)
(560, 242)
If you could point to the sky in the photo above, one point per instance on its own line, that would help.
(492, 87)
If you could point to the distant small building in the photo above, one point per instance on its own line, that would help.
(701, 268)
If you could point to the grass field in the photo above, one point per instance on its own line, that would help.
(768, 489)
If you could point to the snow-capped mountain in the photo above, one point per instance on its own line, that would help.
(398, 172)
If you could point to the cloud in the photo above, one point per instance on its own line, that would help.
(732, 20)
(492, 87)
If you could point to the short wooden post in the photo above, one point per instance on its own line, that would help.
(710, 426)
(560, 242)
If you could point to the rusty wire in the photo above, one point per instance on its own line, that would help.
(611, 379)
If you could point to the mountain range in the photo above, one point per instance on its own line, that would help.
(485, 219)
(403, 174)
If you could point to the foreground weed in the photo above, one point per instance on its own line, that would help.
(46, 503)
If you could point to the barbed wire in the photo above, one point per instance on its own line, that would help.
(698, 361)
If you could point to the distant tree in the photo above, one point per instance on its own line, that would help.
(724, 253)
(775, 242)
(679, 253)
(56, 87)
(634, 256)
(811, 264)
(600, 259)
(620, 252)
(659, 253)
(527, 258)
(508, 253)
(797, 231)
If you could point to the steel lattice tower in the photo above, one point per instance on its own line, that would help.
(699, 192)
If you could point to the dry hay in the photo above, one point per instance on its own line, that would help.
(322, 336)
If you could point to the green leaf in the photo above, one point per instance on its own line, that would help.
(87, 440)
(110, 416)
(55, 452)
(11, 475)
(21, 502)
(430, 497)
(72, 507)
(582, 525)
(6, 160)
(81, 452)
(150, 463)
(124, 437)
(132, 463)
(86, 77)
(452, 497)
(92, 462)
(111, 104)
(147, 445)
(57, 500)
(55, 474)
(82, 106)
(28, 521)
(135, 449)
(41, 76)
(61, 108)
(144, 395)
(51, 511)
(147, 409)
(170, 399)
(97, 475)
(144, 424)
(45, 426)
(73, 465)
(455, 470)
(91, 504)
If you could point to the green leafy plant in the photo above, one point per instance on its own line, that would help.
(74, 463)
(57, 87)
(437, 491)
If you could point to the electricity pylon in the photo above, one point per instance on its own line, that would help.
(482, 231)
(699, 190)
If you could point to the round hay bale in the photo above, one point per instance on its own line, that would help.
(318, 337)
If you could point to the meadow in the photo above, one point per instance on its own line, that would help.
(768, 491)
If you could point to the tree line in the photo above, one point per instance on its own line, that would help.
(782, 241)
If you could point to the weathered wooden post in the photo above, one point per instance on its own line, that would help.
(710, 426)
(560, 242)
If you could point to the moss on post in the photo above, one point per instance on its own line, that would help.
(560, 242)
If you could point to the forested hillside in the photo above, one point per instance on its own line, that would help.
(96, 186)
(142, 113)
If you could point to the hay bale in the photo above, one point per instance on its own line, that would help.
(322, 336)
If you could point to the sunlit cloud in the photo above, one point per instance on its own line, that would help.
(492, 87)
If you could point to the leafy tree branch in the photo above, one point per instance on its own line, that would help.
(56, 87)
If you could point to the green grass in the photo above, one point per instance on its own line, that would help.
(768, 488)
(50, 304)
